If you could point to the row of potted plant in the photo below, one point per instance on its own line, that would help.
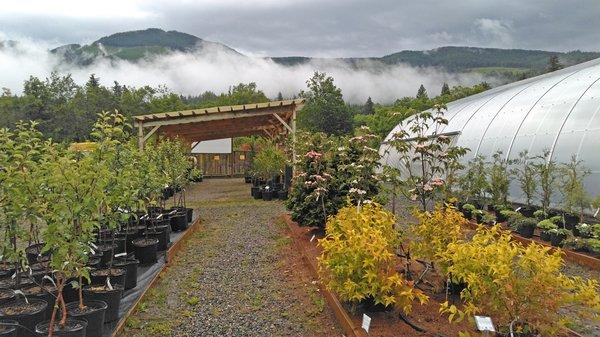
(82, 211)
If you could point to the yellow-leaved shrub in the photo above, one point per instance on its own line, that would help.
(434, 231)
(509, 281)
(358, 259)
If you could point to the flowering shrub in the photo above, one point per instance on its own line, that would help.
(341, 172)
(358, 260)
(512, 282)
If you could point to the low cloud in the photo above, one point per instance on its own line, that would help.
(216, 70)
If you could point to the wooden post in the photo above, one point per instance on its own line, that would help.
(140, 135)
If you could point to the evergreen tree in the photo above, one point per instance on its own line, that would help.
(324, 110)
(368, 108)
(279, 96)
(445, 89)
(93, 82)
(422, 93)
(554, 64)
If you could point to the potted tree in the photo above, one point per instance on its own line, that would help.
(21, 157)
(76, 184)
(268, 163)
(546, 172)
(575, 197)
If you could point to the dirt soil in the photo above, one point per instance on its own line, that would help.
(237, 276)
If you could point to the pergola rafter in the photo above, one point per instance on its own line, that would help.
(196, 125)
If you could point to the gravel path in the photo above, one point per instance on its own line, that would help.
(238, 276)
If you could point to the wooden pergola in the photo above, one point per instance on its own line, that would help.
(268, 119)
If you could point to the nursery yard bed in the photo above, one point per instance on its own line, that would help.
(383, 324)
(237, 276)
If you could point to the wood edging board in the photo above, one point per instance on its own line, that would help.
(340, 313)
(170, 254)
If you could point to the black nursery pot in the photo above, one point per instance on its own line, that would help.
(247, 179)
(145, 250)
(557, 239)
(108, 251)
(282, 195)
(93, 314)
(179, 221)
(369, 305)
(111, 297)
(527, 211)
(34, 251)
(72, 328)
(131, 270)
(8, 328)
(267, 195)
(544, 235)
(254, 190)
(571, 220)
(46, 293)
(161, 235)
(190, 214)
(117, 276)
(28, 315)
(258, 193)
(71, 294)
(526, 231)
(6, 296)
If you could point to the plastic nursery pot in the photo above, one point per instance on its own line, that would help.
(117, 276)
(131, 270)
(282, 195)
(119, 244)
(34, 251)
(93, 313)
(179, 221)
(544, 235)
(145, 250)
(161, 236)
(267, 195)
(556, 239)
(12, 282)
(258, 193)
(128, 235)
(108, 250)
(190, 214)
(166, 229)
(527, 211)
(526, 231)
(155, 210)
(254, 190)
(72, 328)
(45, 293)
(70, 293)
(27, 314)
(571, 220)
(8, 328)
(112, 297)
(247, 179)
(6, 270)
(6, 295)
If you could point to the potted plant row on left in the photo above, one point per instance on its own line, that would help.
(90, 203)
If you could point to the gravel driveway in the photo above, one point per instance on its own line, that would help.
(238, 276)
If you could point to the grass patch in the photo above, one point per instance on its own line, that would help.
(193, 301)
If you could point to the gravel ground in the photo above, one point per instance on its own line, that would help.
(238, 276)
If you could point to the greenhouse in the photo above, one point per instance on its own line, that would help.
(557, 113)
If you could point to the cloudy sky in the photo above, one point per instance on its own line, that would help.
(318, 27)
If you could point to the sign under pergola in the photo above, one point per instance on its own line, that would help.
(268, 119)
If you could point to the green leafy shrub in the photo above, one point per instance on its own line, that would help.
(546, 225)
(358, 261)
(524, 223)
(540, 214)
(268, 162)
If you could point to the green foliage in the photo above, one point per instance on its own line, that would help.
(269, 161)
(469, 207)
(509, 281)
(474, 182)
(499, 178)
(524, 223)
(546, 171)
(575, 196)
(358, 259)
(546, 225)
(526, 177)
(540, 214)
(324, 110)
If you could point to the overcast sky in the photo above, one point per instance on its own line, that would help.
(319, 27)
